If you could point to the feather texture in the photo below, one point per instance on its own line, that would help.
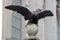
(21, 10)
(28, 15)
(44, 14)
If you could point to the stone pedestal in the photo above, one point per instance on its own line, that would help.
(31, 30)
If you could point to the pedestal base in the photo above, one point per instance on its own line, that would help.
(31, 38)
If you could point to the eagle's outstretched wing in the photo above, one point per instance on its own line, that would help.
(21, 10)
(44, 14)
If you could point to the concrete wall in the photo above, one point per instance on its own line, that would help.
(50, 29)
(6, 20)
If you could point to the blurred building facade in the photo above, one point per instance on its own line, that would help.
(13, 23)
(58, 18)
